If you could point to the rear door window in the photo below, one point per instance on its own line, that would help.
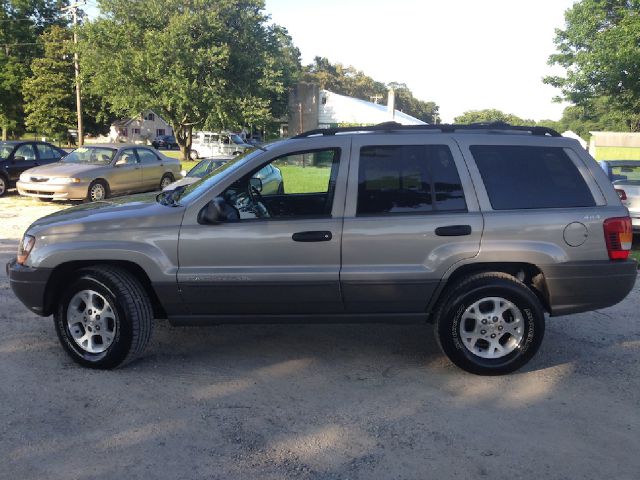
(397, 179)
(524, 177)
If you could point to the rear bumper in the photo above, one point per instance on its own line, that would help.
(72, 191)
(29, 285)
(582, 286)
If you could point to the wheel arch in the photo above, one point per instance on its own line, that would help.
(527, 273)
(61, 274)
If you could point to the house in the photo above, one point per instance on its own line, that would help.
(142, 129)
(311, 108)
(615, 145)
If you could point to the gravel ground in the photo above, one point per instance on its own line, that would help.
(314, 402)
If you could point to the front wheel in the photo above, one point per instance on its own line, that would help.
(98, 191)
(104, 319)
(490, 324)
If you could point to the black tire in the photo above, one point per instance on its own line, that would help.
(94, 185)
(469, 292)
(167, 177)
(4, 185)
(133, 317)
(193, 154)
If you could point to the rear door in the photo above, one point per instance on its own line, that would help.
(127, 173)
(24, 157)
(47, 154)
(152, 168)
(411, 214)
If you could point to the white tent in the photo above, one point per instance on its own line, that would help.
(340, 109)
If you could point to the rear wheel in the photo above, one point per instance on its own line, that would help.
(98, 190)
(490, 324)
(104, 319)
(194, 155)
(4, 185)
(166, 181)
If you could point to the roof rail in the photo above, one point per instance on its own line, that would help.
(494, 127)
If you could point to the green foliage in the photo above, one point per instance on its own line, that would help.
(205, 63)
(49, 91)
(600, 51)
(23, 21)
(355, 83)
(491, 115)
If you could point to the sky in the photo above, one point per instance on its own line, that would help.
(461, 54)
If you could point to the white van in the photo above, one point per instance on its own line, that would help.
(211, 144)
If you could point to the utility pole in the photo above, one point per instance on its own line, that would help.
(74, 11)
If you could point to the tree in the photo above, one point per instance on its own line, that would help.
(599, 48)
(49, 92)
(491, 115)
(196, 62)
(21, 23)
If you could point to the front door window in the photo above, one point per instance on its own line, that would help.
(297, 185)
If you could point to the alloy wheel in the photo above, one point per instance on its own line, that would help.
(91, 321)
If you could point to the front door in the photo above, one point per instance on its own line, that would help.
(282, 254)
(411, 214)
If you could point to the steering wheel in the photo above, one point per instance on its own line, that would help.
(258, 201)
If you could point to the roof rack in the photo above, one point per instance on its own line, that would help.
(494, 127)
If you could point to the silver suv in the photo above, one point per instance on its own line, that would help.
(481, 230)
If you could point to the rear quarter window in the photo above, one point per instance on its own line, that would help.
(524, 177)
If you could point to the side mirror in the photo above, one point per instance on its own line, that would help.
(19, 158)
(256, 184)
(217, 211)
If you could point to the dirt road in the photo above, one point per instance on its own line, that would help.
(314, 402)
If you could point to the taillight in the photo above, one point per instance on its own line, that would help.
(618, 234)
(621, 193)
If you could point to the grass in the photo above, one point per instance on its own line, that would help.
(635, 249)
(304, 180)
(617, 153)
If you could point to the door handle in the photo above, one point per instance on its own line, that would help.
(453, 231)
(315, 236)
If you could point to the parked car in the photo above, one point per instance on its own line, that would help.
(18, 156)
(625, 176)
(211, 144)
(167, 142)
(202, 169)
(270, 177)
(479, 229)
(95, 172)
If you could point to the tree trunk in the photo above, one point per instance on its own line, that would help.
(183, 134)
(4, 133)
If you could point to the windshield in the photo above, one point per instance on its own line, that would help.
(90, 155)
(628, 174)
(201, 186)
(237, 139)
(205, 167)
(6, 149)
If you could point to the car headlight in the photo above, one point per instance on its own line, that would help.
(25, 247)
(64, 180)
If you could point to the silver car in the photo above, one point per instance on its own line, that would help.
(481, 230)
(95, 172)
(625, 176)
